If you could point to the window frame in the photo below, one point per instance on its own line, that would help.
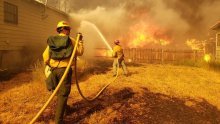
(7, 11)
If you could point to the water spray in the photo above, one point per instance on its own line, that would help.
(99, 32)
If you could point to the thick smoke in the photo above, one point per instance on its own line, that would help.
(179, 19)
(106, 20)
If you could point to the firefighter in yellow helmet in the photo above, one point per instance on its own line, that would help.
(118, 54)
(57, 55)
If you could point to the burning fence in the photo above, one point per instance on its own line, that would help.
(161, 55)
(155, 55)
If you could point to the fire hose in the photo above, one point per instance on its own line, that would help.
(99, 93)
(77, 83)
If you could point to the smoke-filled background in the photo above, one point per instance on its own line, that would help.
(144, 23)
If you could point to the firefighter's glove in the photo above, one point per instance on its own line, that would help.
(80, 38)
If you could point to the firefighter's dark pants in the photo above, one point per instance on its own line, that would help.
(63, 92)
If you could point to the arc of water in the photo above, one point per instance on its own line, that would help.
(99, 32)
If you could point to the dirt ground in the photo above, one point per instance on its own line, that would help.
(151, 94)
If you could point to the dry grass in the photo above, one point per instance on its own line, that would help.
(146, 95)
(22, 96)
(180, 81)
(191, 84)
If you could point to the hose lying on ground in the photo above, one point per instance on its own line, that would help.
(99, 93)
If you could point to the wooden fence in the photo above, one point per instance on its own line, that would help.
(162, 56)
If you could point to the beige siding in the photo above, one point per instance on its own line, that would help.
(1, 11)
(217, 47)
(31, 31)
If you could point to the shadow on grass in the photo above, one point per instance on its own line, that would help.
(134, 64)
(159, 108)
(7, 75)
(83, 109)
(147, 108)
(9, 80)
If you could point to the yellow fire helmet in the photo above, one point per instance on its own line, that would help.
(62, 24)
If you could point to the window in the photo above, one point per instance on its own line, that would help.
(10, 13)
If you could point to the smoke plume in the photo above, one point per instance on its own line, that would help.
(173, 20)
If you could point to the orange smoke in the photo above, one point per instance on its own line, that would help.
(144, 34)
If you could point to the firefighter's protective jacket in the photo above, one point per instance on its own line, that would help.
(118, 52)
(64, 62)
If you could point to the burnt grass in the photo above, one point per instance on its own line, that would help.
(147, 108)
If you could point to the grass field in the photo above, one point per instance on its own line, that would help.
(152, 93)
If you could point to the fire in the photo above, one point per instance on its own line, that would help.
(195, 44)
(129, 60)
(144, 34)
(207, 57)
(138, 40)
(163, 42)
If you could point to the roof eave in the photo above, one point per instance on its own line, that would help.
(49, 7)
(216, 26)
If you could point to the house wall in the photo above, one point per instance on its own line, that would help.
(26, 40)
(218, 46)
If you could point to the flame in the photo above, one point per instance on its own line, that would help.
(129, 60)
(144, 34)
(163, 42)
(207, 57)
(138, 40)
(195, 44)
